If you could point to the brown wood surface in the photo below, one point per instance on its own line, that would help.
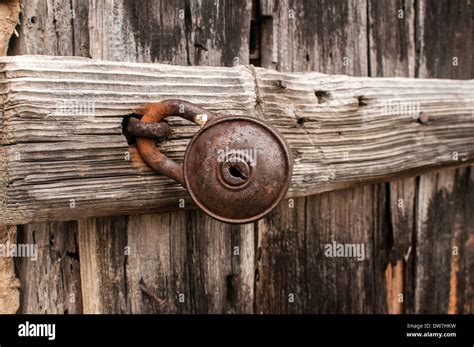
(168, 254)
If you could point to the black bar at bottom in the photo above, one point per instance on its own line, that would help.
(295, 330)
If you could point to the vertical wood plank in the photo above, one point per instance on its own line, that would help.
(9, 293)
(400, 267)
(102, 244)
(392, 38)
(179, 258)
(52, 283)
(444, 223)
(291, 263)
(465, 283)
(47, 27)
(183, 261)
(392, 54)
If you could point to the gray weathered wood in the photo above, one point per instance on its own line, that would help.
(186, 252)
(392, 53)
(52, 283)
(180, 262)
(64, 164)
(291, 239)
(9, 289)
(9, 13)
(9, 284)
(102, 250)
(444, 226)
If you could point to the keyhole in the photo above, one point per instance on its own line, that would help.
(235, 172)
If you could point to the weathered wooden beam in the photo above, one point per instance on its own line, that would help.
(63, 154)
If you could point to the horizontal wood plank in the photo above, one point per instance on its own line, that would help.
(64, 155)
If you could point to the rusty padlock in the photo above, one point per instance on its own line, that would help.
(236, 168)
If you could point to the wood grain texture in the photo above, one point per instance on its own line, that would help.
(50, 27)
(292, 259)
(292, 239)
(103, 253)
(392, 230)
(73, 163)
(392, 53)
(180, 262)
(191, 264)
(444, 226)
(52, 283)
(190, 32)
(183, 261)
(350, 135)
(9, 13)
(10, 284)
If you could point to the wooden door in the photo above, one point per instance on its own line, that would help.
(417, 231)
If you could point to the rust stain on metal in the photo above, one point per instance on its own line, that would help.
(236, 168)
(155, 113)
(136, 158)
(148, 130)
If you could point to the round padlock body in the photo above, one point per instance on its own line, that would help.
(237, 169)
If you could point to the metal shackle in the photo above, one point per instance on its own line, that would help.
(235, 168)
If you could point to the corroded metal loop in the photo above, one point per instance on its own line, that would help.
(236, 168)
(149, 130)
(155, 113)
